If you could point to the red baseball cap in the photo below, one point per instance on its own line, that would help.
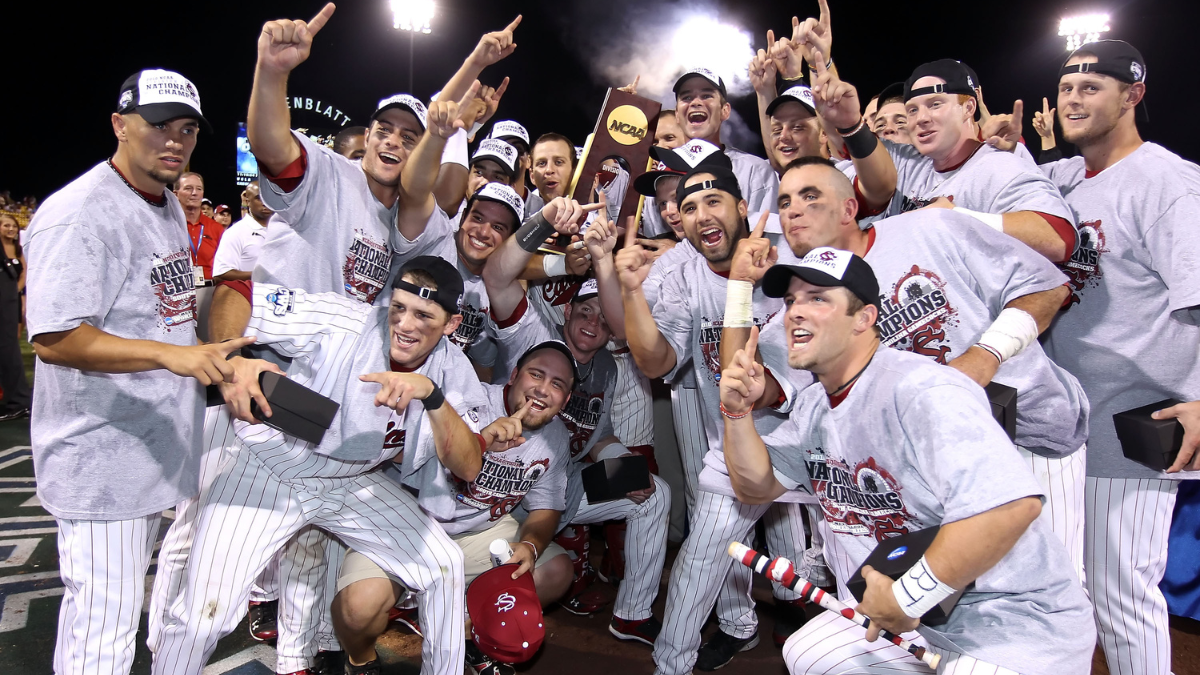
(506, 616)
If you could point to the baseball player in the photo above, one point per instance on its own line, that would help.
(685, 326)
(701, 105)
(237, 254)
(1129, 335)
(588, 413)
(552, 163)
(891, 443)
(358, 355)
(525, 463)
(112, 312)
(943, 296)
(517, 136)
(891, 120)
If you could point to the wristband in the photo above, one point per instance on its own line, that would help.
(860, 141)
(474, 130)
(992, 220)
(739, 304)
(531, 545)
(793, 79)
(1009, 334)
(455, 151)
(733, 416)
(435, 399)
(534, 232)
(554, 265)
(919, 591)
(611, 450)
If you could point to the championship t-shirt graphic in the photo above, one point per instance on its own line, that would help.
(472, 325)
(863, 500)
(710, 342)
(915, 315)
(913, 203)
(501, 484)
(366, 268)
(582, 415)
(174, 284)
(1083, 268)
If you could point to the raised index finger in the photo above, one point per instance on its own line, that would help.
(513, 26)
(761, 226)
(818, 68)
(1045, 106)
(752, 343)
(824, 12)
(591, 207)
(318, 22)
(630, 236)
(1018, 110)
(520, 413)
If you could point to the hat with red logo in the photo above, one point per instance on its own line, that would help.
(679, 161)
(826, 266)
(506, 616)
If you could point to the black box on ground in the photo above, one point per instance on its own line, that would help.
(296, 410)
(897, 555)
(1004, 406)
(1147, 441)
(615, 477)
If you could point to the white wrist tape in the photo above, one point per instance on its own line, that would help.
(474, 129)
(611, 450)
(739, 304)
(992, 220)
(455, 151)
(554, 265)
(919, 591)
(1011, 332)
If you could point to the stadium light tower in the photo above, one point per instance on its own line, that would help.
(1080, 30)
(414, 17)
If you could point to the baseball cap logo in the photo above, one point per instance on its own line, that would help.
(827, 256)
(126, 99)
(1136, 70)
(505, 602)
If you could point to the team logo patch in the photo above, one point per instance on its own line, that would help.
(897, 553)
(126, 99)
(174, 284)
(282, 301)
(916, 314)
(505, 602)
(1137, 71)
(863, 500)
(1083, 269)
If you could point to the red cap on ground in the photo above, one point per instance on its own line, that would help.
(506, 616)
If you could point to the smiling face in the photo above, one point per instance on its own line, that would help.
(668, 210)
(551, 169)
(484, 227)
(415, 325)
(190, 191)
(669, 134)
(816, 208)
(713, 220)
(822, 323)
(543, 383)
(700, 109)
(586, 330)
(390, 139)
(795, 133)
(891, 123)
(156, 151)
(9, 230)
(939, 123)
(484, 171)
(1090, 105)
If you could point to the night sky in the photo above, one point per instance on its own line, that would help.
(64, 63)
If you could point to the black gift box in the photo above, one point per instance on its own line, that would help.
(897, 555)
(615, 477)
(296, 410)
(1004, 406)
(1147, 441)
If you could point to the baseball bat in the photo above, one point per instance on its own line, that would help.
(782, 571)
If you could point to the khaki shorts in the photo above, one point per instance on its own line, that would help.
(474, 545)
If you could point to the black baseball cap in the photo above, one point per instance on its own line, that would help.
(1115, 58)
(678, 161)
(558, 346)
(958, 77)
(722, 179)
(159, 96)
(829, 267)
(449, 291)
(800, 94)
(713, 79)
(894, 90)
(404, 102)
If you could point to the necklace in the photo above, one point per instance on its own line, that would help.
(135, 191)
(849, 382)
(584, 377)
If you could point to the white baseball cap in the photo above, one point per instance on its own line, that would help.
(159, 96)
(503, 194)
(507, 130)
(498, 151)
(800, 94)
(706, 74)
(405, 102)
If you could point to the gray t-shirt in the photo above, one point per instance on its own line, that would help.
(332, 340)
(112, 446)
(913, 445)
(990, 181)
(941, 288)
(1130, 334)
(533, 203)
(329, 234)
(759, 183)
(533, 474)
